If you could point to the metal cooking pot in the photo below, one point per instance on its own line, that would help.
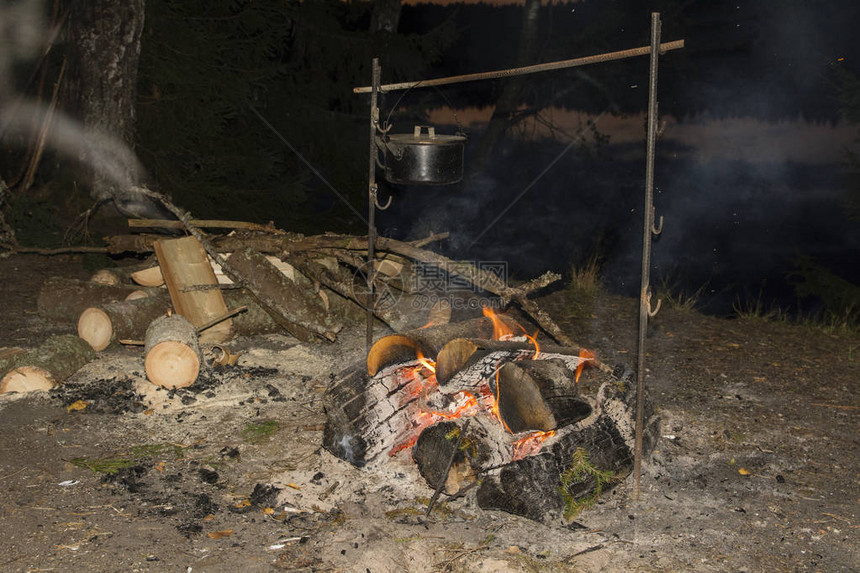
(424, 158)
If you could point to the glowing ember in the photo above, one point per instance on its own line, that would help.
(464, 404)
(530, 444)
(584, 356)
(501, 331)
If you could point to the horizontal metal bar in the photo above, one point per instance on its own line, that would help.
(607, 57)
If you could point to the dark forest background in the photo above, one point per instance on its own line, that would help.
(245, 110)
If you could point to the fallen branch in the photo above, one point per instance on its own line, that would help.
(205, 224)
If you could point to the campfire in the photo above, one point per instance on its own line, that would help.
(534, 429)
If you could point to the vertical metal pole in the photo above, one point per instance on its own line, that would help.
(371, 199)
(648, 228)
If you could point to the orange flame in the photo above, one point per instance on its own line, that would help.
(584, 356)
(530, 444)
(494, 399)
(533, 339)
(501, 331)
(427, 362)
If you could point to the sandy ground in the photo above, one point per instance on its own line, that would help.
(757, 468)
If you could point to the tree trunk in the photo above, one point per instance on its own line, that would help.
(512, 91)
(385, 16)
(104, 52)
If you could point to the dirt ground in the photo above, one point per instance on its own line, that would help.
(756, 470)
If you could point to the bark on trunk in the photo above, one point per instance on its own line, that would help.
(306, 312)
(65, 299)
(107, 324)
(104, 52)
(385, 16)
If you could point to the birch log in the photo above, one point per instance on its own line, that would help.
(44, 367)
(173, 357)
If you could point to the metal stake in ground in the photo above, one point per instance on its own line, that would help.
(645, 309)
(371, 199)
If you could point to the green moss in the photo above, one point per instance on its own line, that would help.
(580, 470)
(260, 432)
(135, 455)
(152, 450)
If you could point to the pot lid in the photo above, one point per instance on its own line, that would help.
(420, 137)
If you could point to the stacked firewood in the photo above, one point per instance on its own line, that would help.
(253, 280)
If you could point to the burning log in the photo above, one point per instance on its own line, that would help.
(305, 314)
(172, 352)
(461, 353)
(397, 348)
(44, 367)
(185, 266)
(538, 395)
(538, 443)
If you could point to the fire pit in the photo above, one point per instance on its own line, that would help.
(535, 430)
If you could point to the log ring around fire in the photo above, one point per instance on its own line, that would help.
(580, 445)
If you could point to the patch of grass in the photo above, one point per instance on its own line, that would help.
(109, 465)
(260, 432)
(582, 471)
(542, 565)
(676, 297)
(585, 278)
(756, 310)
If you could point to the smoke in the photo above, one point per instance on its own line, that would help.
(21, 36)
(24, 36)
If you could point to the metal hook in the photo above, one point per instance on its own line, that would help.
(375, 200)
(384, 130)
(380, 207)
(652, 312)
(659, 228)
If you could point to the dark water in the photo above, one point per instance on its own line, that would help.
(733, 229)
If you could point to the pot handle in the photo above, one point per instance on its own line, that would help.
(431, 131)
(382, 144)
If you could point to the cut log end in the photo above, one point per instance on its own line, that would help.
(172, 352)
(95, 326)
(452, 358)
(391, 349)
(172, 364)
(105, 277)
(27, 379)
(150, 277)
(136, 294)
